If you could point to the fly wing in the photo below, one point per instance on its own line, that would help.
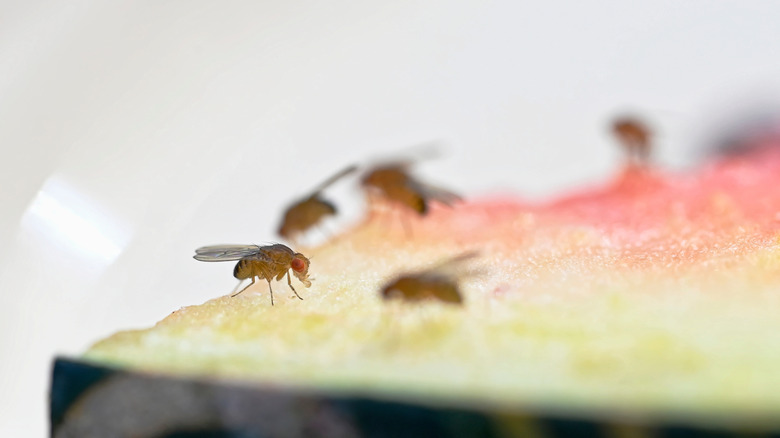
(431, 192)
(456, 267)
(225, 253)
(334, 178)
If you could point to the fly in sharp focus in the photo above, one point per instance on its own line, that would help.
(271, 262)
(309, 211)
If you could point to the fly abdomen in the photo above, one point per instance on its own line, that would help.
(244, 269)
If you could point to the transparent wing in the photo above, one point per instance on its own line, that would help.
(435, 193)
(344, 172)
(225, 253)
(457, 267)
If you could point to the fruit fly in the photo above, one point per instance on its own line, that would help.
(309, 211)
(438, 283)
(266, 262)
(635, 138)
(393, 182)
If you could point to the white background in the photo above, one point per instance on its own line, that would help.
(133, 132)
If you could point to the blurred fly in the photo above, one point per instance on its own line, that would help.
(267, 262)
(309, 211)
(393, 182)
(438, 283)
(634, 136)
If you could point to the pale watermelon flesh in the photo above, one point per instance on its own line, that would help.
(655, 295)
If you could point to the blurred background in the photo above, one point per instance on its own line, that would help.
(134, 132)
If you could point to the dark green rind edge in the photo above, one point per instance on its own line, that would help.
(90, 400)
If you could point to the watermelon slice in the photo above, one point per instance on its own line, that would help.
(653, 296)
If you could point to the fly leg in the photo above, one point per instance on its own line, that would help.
(290, 283)
(405, 223)
(643, 150)
(272, 292)
(232, 294)
(377, 204)
(371, 201)
(247, 286)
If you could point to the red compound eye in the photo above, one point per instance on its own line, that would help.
(298, 265)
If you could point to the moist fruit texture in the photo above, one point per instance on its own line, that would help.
(657, 294)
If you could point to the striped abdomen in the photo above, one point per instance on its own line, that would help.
(246, 268)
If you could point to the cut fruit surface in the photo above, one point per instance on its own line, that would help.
(657, 294)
